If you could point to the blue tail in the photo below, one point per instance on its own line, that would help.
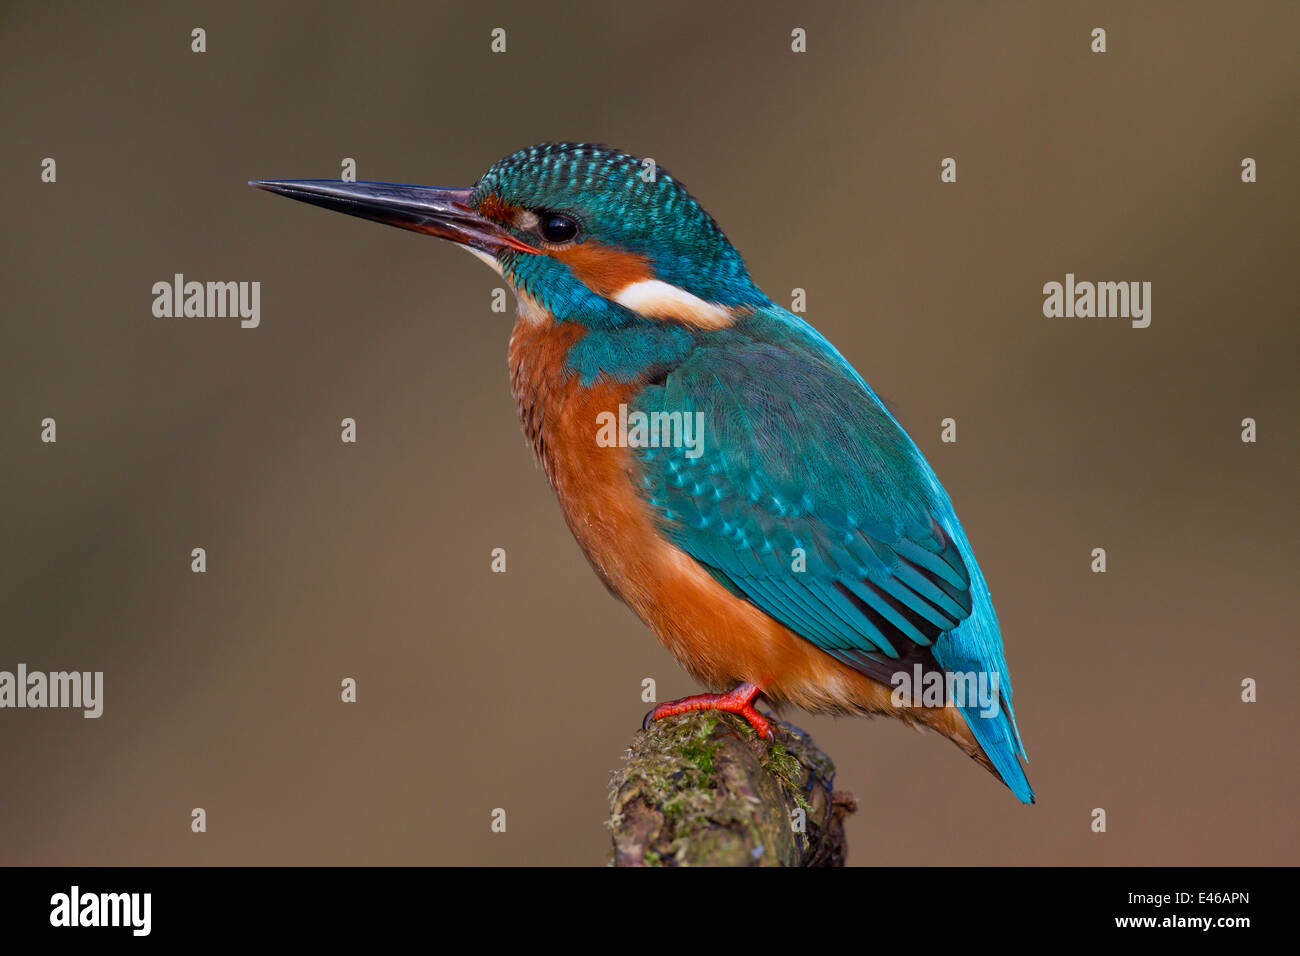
(976, 646)
(1001, 742)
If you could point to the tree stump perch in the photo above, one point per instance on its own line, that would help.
(702, 789)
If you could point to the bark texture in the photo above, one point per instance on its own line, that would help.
(702, 789)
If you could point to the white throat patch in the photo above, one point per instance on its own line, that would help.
(528, 310)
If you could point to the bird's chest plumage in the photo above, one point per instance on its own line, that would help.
(594, 482)
(720, 638)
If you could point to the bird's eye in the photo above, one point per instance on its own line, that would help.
(558, 228)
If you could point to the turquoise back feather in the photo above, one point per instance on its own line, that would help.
(799, 453)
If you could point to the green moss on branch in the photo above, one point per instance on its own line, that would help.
(701, 789)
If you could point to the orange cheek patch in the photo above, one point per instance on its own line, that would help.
(603, 269)
(492, 207)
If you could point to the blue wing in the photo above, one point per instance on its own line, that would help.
(799, 460)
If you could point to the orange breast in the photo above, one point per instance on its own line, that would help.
(719, 638)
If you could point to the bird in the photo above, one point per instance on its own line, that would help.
(729, 475)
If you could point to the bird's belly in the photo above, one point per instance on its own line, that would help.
(718, 637)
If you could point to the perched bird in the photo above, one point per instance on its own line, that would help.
(728, 473)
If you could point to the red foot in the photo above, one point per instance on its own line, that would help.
(738, 701)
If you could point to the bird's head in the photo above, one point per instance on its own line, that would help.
(583, 232)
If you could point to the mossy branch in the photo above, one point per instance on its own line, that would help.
(702, 789)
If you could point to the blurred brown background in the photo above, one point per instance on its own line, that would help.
(481, 690)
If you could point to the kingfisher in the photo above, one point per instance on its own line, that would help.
(728, 474)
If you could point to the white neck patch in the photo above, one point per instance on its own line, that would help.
(656, 299)
(653, 298)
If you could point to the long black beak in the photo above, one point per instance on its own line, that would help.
(444, 213)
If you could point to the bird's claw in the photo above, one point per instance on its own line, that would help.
(738, 702)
